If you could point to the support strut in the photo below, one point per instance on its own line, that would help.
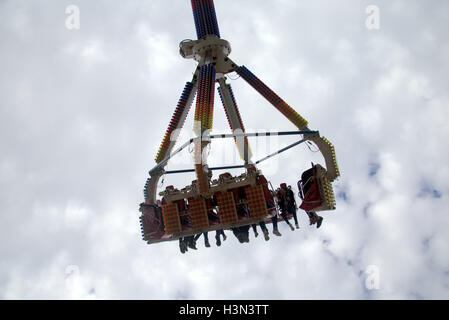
(177, 120)
(205, 18)
(234, 119)
(272, 97)
(204, 113)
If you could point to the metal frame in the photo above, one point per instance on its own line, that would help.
(162, 164)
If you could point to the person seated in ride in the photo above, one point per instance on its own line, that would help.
(212, 214)
(307, 179)
(212, 217)
(273, 210)
(225, 175)
(215, 217)
(291, 205)
(307, 182)
(261, 180)
(183, 213)
(211, 204)
(240, 202)
(243, 213)
(283, 203)
(219, 233)
(189, 241)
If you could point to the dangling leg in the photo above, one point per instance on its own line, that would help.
(284, 216)
(221, 231)
(206, 240)
(292, 210)
(295, 216)
(264, 230)
(319, 222)
(191, 243)
(316, 219)
(274, 220)
(182, 245)
(312, 217)
(256, 234)
(217, 236)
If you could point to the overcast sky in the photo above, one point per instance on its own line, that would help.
(83, 111)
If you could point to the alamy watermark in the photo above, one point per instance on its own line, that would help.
(372, 21)
(372, 281)
(229, 151)
(72, 21)
(72, 273)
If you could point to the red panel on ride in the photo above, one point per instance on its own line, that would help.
(256, 201)
(226, 207)
(312, 198)
(198, 213)
(152, 227)
(170, 215)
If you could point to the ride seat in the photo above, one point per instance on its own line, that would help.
(309, 190)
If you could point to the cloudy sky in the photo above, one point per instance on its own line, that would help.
(82, 113)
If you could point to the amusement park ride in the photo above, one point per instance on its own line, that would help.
(187, 211)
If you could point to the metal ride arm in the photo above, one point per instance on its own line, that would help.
(158, 167)
(234, 118)
(204, 112)
(242, 166)
(205, 18)
(328, 152)
(326, 148)
(206, 25)
(178, 118)
(171, 136)
(273, 98)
